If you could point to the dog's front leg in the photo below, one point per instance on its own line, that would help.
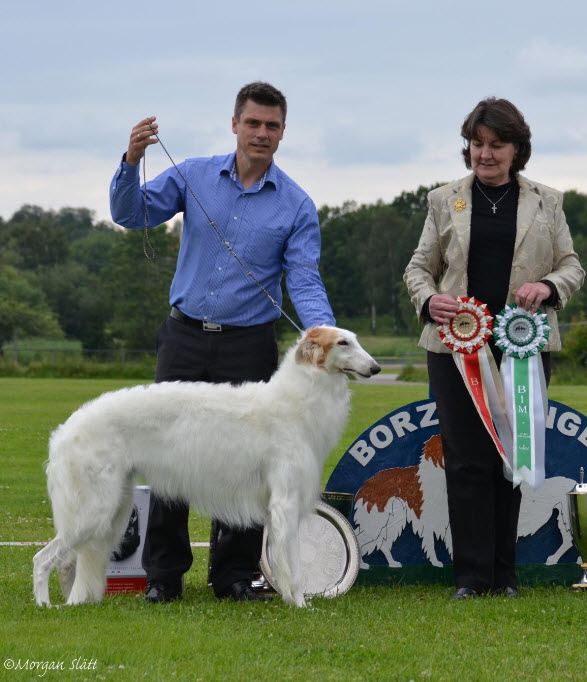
(295, 563)
(284, 547)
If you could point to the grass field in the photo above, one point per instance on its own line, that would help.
(372, 633)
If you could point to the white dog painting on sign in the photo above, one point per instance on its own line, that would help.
(392, 498)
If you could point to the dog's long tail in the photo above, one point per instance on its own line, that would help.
(91, 499)
(54, 555)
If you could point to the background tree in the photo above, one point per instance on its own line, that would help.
(23, 309)
(76, 296)
(575, 208)
(339, 265)
(35, 237)
(138, 289)
(64, 273)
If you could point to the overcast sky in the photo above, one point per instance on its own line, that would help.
(377, 90)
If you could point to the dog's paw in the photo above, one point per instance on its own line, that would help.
(299, 600)
(294, 599)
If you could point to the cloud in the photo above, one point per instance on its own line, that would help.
(369, 143)
(571, 143)
(544, 65)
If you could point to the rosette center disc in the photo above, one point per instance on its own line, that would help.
(465, 325)
(521, 330)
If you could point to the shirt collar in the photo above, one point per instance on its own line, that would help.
(230, 168)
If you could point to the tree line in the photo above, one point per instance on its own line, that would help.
(65, 275)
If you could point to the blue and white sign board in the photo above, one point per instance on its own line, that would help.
(395, 471)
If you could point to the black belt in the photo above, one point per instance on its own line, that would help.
(176, 314)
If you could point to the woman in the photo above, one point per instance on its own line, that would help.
(500, 238)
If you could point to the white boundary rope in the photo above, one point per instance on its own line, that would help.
(41, 543)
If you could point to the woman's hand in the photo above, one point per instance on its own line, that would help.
(442, 308)
(531, 295)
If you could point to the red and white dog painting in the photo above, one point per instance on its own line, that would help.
(393, 498)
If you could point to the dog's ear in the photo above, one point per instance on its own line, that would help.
(309, 351)
(433, 450)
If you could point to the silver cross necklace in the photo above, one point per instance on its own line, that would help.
(493, 203)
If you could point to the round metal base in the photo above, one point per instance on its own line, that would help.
(583, 584)
(329, 554)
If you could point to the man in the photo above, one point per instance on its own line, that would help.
(221, 326)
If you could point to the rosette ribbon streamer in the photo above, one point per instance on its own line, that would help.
(521, 335)
(466, 335)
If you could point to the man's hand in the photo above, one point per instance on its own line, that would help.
(141, 137)
(442, 308)
(531, 295)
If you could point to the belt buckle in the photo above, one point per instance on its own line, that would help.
(211, 327)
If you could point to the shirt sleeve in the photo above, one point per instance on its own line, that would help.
(552, 300)
(425, 267)
(301, 262)
(165, 197)
(425, 312)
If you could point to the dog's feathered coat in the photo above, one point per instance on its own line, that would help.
(248, 454)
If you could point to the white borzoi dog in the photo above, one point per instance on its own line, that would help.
(247, 454)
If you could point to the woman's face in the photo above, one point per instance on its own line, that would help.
(491, 158)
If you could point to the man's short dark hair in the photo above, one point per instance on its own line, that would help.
(260, 93)
(508, 124)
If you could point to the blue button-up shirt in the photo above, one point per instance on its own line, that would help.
(272, 226)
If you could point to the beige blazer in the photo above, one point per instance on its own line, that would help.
(543, 250)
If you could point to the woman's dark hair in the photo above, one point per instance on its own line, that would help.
(508, 124)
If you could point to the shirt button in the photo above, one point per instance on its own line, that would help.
(235, 218)
(517, 268)
(243, 194)
(219, 268)
(211, 293)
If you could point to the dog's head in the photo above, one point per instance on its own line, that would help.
(335, 350)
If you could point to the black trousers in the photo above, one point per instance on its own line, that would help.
(187, 353)
(483, 506)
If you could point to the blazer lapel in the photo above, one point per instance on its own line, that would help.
(460, 212)
(528, 205)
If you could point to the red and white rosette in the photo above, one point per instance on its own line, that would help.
(466, 335)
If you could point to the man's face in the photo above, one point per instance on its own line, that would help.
(259, 130)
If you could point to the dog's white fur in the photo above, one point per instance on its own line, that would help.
(248, 454)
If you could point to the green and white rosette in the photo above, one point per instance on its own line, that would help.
(521, 335)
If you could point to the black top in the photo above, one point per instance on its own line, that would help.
(493, 236)
(491, 248)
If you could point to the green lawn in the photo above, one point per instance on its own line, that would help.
(372, 633)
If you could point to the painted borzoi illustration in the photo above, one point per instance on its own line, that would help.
(393, 498)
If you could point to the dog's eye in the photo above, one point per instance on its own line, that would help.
(343, 342)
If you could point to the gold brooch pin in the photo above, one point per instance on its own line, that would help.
(460, 205)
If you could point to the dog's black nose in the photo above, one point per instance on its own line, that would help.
(375, 369)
